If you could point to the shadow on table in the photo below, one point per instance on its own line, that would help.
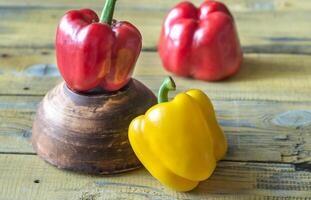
(263, 67)
(228, 178)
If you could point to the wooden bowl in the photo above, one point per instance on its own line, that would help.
(88, 133)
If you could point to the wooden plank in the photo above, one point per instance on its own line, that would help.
(16, 116)
(262, 76)
(27, 177)
(26, 27)
(256, 130)
(235, 5)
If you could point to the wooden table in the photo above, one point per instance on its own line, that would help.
(265, 110)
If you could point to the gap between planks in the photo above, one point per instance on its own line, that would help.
(298, 166)
(256, 130)
(256, 33)
(274, 77)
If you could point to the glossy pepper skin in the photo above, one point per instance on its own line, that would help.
(180, 141)
(200, 42)
(92, 53)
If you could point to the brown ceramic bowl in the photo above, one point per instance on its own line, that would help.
(88, 133)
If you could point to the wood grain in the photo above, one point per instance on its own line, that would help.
(235, 5)
(278, 77)
(256, 130)
(28, 177)
(265, 109)
(24, 26)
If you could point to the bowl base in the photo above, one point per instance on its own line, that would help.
(88, 133)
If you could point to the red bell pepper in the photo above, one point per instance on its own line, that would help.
(92, 52)
(200, 42)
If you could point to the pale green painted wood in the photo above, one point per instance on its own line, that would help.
(231, 180)
(265, 109)
(256, 130)
(235, 5)
(263, 30)
(262, 76)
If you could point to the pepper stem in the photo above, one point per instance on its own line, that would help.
(107, 13)
(167, 85)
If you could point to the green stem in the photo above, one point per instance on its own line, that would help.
(107, 13)
(167, 85)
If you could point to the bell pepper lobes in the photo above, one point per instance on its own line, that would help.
(200, 42)
(178, 141)
(93, 52)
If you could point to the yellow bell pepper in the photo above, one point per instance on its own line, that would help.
(180, 141)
